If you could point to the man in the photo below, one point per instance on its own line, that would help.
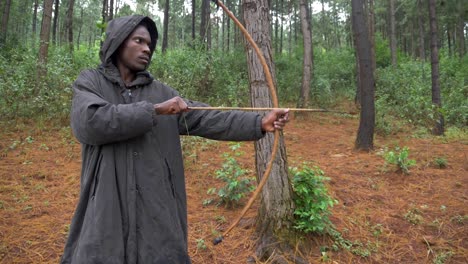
(132, 206)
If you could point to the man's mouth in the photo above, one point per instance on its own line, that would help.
(144, 59)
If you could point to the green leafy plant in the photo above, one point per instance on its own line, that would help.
(236, 182)
(201, 244)
(440, 162)
(400, 158)
(414, 216)
(311, 199)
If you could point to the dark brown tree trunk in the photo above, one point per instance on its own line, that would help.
(34, 22)
(203, 21)
(281, 28)
(438, 128)
(111, 10)
(79, 29)
(371, 22)
(4, 25)
(276, 208)
(44, 39)
(422, 46)
(461, 28)
(55, 21)
(365, 137)
(393, 41)
(69, 24)
(228, 29)
(307, 64)
(194, 3)
(165, 27)
(103, 16)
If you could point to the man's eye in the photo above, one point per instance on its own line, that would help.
(138, 40)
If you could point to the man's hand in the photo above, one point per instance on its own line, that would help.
(172, 106)
(276, 119)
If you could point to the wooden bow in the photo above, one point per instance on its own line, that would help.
(274, 99)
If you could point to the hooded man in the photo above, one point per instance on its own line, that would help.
(132, 206)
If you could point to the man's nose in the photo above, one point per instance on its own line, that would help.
(146, 49)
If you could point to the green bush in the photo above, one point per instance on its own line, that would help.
(236, 183)
(400, 158)
(311, 200)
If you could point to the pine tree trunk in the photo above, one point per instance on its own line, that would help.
(393, 42)
(4, 25)
(34, 22)
(307, 60)
(55, 23)
(44, 39)
(275, 213)
(165, 27)
(422, 46)
(194, 3)
(69, 24)
(438, 128)
(365, 137)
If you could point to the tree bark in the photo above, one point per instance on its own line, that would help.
(5, 18)
(69, 24)
(44, 39)
(194, 3)
(34, 22)
(276, 208)
(55, 21)
(463, 14)
(165, 27)
(393, 42)
(365, 137)
(204, 20)
(111, 10)
(371, 23)
(438, 128)
(307, 60)
(422, 46)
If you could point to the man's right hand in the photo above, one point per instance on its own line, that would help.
(172, 106)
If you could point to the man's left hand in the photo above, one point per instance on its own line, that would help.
(276, 119)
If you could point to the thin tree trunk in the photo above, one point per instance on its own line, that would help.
(80, 29)
(461, 29)
(111, 10)
(393, 42)
(307, 60)
(55, 23)
(5, 18)
(204, 20)
(34, 22)
(194, 3)
(371, 23)
(44, 39)
(365, 136)
(438, 128)
(282, 27)
(422, 46)
(69, 24)
(165, 27)
(276, 207)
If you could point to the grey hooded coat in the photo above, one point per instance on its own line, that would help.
(132, 206)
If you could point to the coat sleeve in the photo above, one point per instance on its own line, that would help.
(95, 121)
(221, 125)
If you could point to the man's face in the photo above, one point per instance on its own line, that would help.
(134, 53)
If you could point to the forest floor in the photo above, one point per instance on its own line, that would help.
(386, 216)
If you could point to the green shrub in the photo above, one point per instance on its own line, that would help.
(400, 158)
(311, 200)
(236, 183)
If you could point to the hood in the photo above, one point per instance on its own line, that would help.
(119, 29)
